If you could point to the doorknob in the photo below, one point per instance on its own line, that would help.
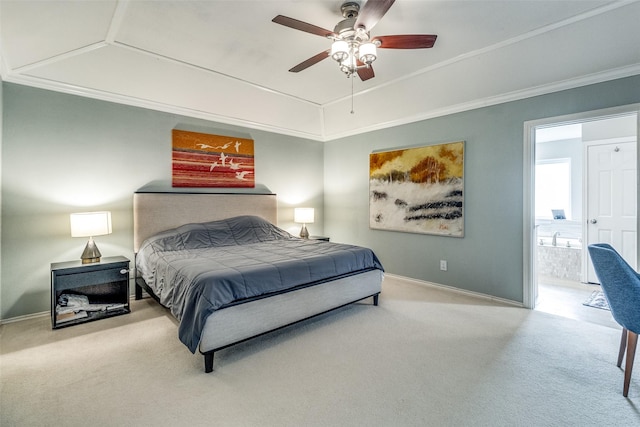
(593, 221)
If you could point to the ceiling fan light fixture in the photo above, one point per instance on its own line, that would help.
(353, 48)
(367, 53)
(348, 66)
(340, 50)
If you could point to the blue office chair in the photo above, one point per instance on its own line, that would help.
(621, 286)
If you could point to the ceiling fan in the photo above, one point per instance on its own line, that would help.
(353, 48)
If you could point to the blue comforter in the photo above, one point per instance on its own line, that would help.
(196, 269)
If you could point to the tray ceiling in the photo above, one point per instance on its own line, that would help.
(226, 61)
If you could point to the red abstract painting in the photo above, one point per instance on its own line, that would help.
(203, 160)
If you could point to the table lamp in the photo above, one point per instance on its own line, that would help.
(90, 224)
(303, 216)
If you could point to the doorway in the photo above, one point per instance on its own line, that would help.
(555, 220)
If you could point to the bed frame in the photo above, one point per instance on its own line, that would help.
(159, 211)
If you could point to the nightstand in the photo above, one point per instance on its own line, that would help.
(323, 238)
(90, 291)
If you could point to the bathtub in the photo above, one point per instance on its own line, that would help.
(561, 261)
(564, 260)
(560, 242)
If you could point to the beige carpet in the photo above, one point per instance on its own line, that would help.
(424, 357)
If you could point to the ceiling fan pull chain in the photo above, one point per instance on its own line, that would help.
(352, 112)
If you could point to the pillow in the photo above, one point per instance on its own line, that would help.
(240, 230)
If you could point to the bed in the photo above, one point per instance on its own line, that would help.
(228, 274)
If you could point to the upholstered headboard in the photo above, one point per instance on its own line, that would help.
(158, 211)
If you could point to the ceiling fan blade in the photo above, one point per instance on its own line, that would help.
(309, 62)
(365, 73)
(406, 41)
(302, 26)
(371, 13)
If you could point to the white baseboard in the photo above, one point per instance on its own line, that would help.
(25, 317)
(456, 290)
(395, 276)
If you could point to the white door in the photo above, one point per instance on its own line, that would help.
(611, 200)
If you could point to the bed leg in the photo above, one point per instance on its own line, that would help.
(138, 292)
(375, 299)
(208, 362)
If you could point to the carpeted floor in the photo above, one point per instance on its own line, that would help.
(424, 357)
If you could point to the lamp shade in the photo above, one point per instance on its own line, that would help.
(340, 50)
(88, 224)
(367, 52)
(303, 215)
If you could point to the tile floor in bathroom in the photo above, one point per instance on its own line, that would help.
(565, 298)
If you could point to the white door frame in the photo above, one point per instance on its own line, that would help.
(529, 287)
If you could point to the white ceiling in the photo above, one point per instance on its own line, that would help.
(226, 61)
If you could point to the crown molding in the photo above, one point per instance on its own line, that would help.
(320, 136)
(153, 105)
(573, 83)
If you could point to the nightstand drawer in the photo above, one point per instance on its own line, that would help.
(71, 281)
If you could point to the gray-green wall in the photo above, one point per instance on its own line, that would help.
(489, 259)
(1, 135)
(64, 153)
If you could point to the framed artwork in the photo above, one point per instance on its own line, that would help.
(418, 190)
(203, 160)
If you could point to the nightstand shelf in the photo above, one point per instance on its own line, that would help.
(103, 285)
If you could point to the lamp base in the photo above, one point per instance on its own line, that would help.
(303, 232)
(91, 253)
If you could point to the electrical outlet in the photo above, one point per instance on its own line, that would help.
(443, 265)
